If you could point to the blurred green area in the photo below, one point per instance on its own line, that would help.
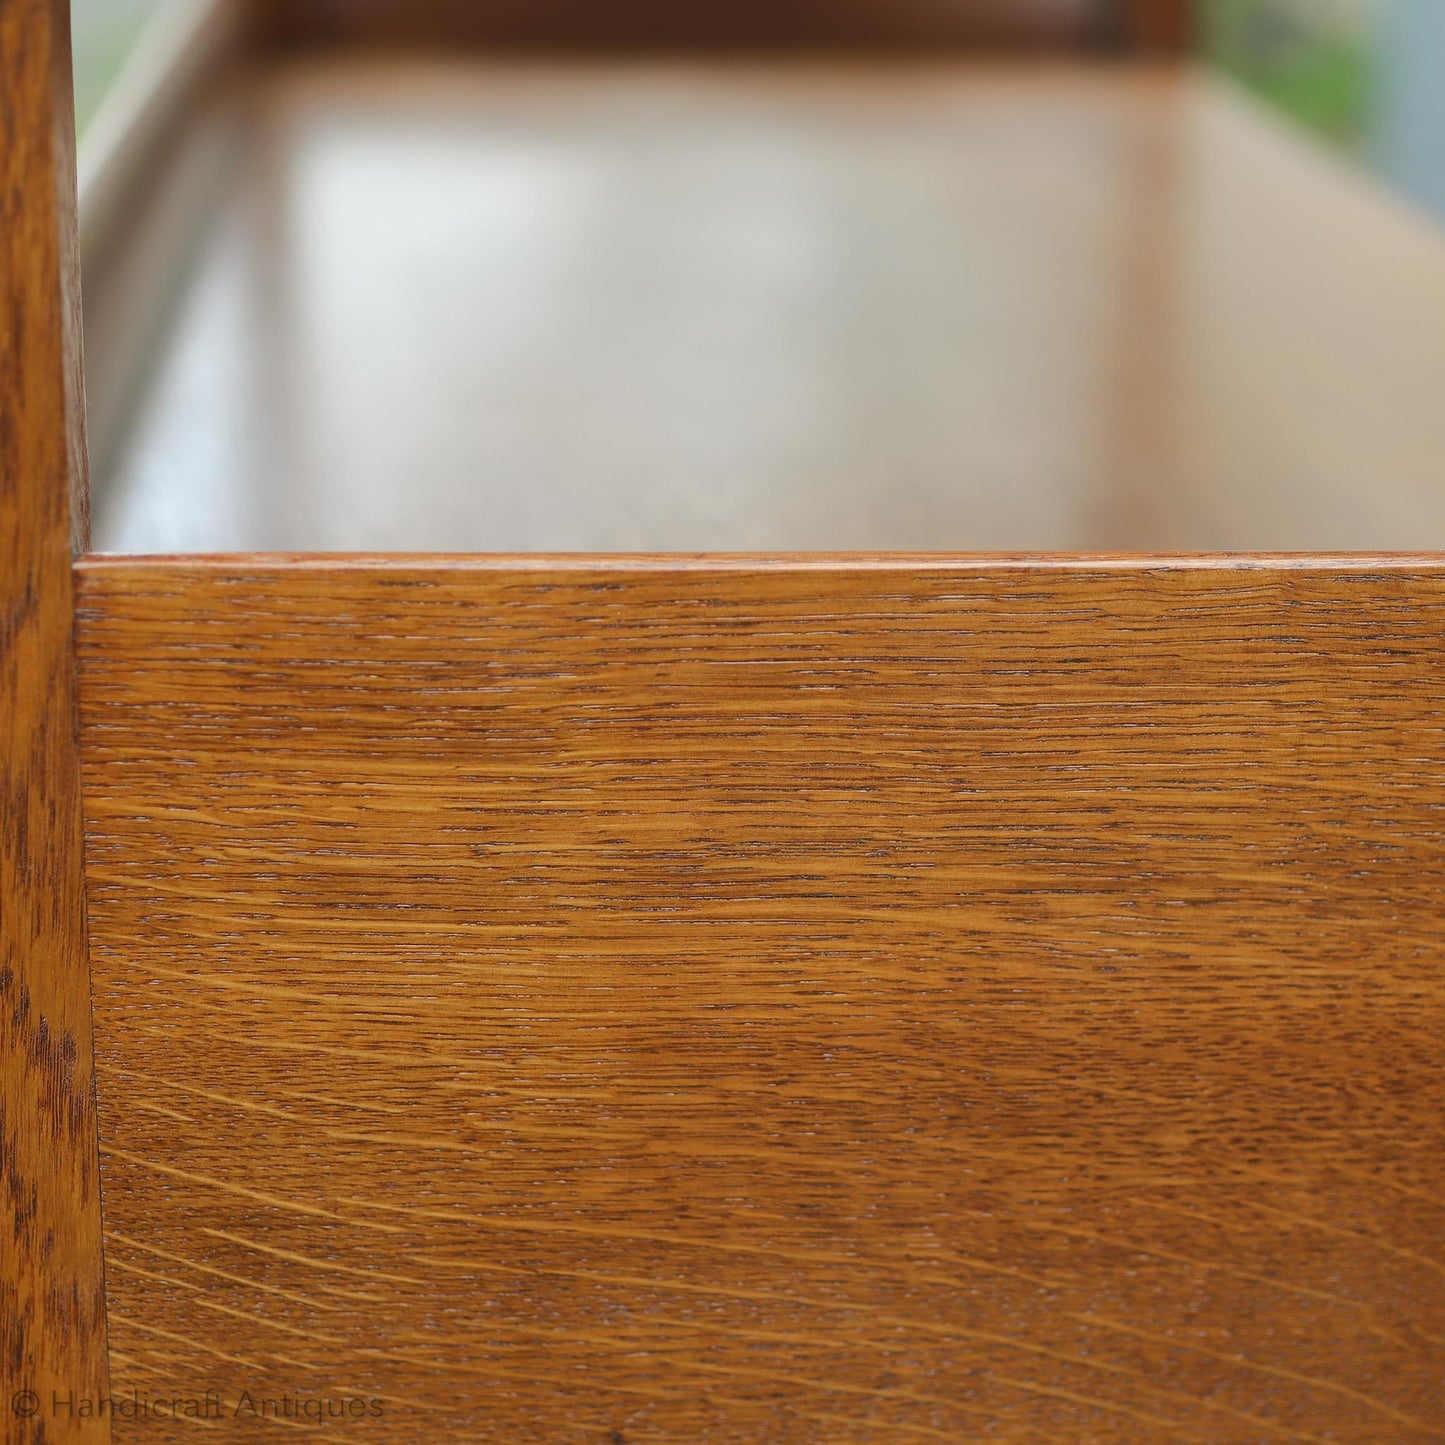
(103, 34)
(1314, 59)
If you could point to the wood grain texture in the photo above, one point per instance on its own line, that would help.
(52, 1339)
(728, 1000)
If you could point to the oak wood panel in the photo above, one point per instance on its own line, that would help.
(52, 1335)
(686, 1000)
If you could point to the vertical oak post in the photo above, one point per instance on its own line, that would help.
(52, 1353)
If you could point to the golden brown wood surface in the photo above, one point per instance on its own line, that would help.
(52, 1335)
(720, 1000)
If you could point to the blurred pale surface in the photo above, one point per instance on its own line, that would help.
(757, 307)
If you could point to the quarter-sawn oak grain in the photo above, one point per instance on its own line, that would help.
(687, 1001)
(52, 1326)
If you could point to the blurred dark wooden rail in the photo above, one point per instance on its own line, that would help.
(1152, 25)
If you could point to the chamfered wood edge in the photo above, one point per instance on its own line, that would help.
(52, 1312)
(123, 566)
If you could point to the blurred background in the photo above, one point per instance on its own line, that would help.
(103, 35)
(1010, 283)
(1368, 76)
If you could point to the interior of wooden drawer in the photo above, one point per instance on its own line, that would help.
(543, 299)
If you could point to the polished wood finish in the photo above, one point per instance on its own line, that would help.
(52, 1327)
(726, 999)
(45, 471)
(654, 306)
